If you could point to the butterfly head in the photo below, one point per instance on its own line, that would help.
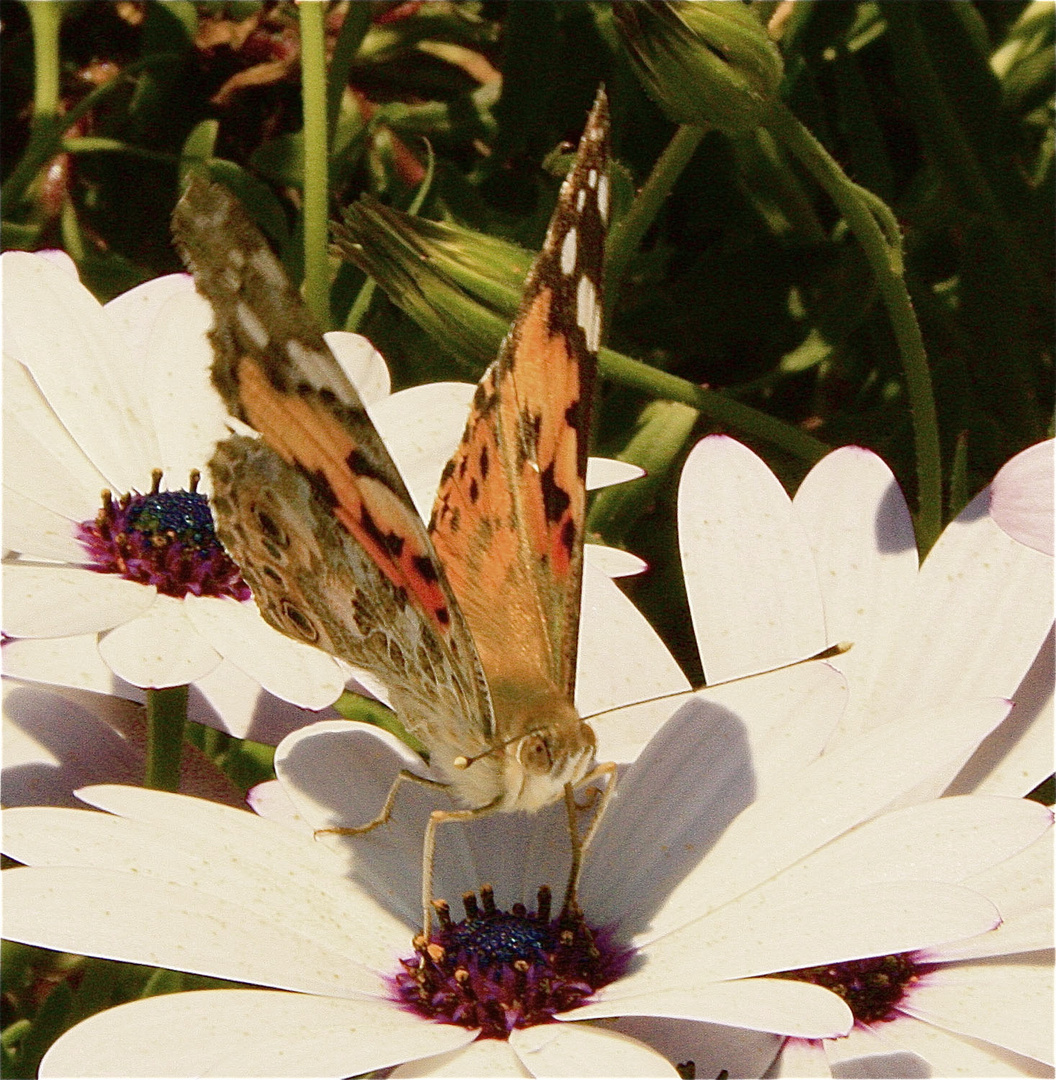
(529, 769)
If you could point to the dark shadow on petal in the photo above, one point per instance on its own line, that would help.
(671, 806)
(894, 527)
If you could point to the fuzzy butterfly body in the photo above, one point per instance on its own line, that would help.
(471, 622)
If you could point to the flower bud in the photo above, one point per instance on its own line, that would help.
(706, 62)
(461, 287)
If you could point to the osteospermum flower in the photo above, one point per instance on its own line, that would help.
(129, 588)
(839, 563)
(731, 852)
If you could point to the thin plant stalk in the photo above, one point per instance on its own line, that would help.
(316, 161)
(166, 719)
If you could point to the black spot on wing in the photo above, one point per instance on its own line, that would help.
(556, 500)
(388, 541)
(424, 567)
(568, 535)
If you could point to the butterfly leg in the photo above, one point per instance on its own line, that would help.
(580, 843)
(437, 818)
(386, 811)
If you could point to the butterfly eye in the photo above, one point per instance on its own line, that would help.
(534, 754)
(299, 623)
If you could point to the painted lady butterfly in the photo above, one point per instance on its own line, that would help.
(472, 623)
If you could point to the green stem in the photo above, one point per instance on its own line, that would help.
(166, 717)
(724, 410)
(316, 161)
(873, 225)
(627, 234)
(45, 19)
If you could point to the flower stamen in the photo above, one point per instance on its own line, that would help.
(163, 538)
(500, 970)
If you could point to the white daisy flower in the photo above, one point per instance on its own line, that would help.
(839, 563)
(731, 852)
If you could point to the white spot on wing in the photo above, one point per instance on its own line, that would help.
(568, 252)
(268, 267)
(252, 325)
(315, 366)
(581, 199)
(592, 178)
(588, 314)
(603, 199)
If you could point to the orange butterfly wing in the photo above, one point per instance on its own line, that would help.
(276, 373)
(509, 514)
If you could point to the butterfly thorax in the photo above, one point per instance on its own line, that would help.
(540, 745)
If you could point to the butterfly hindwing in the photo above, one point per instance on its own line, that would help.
(509, 515)
(361, 552)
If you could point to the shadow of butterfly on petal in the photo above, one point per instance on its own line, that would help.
(472, 623)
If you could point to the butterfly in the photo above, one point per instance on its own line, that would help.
(471, 622)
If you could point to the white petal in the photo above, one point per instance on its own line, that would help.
(245, 1033)
(66, 661)
(750, 576)
(865, 550)
(691, 781)
(188, 413)
(160, 648)
(228, 699)
(1017, 757)
(53, 745)
(485, 1057)
(781, 1006)
(270, 800)
(711, 1047)
(945, 840)
(62, 470)
(1021, 883)
(289, 669)
(421, 428)
(226, 853)
(614, 562)
(838, 791)
(621, 657)
(61, 260)
(134, 312)
(800, 1057)
(128, 917)
(362, 363)
(59, 601)
(35, 471)
(1006, 1004)
(980, 613)
(34, 530)
(82, 364)
(789, 717)
(1021, 497)
(760, 936)
(583, 1050)
(953, 1055)
(604, 472)
(338, 773)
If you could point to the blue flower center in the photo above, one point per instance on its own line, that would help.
(163, 538)
(498, 970)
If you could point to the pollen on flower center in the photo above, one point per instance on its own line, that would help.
(500, 970)
(162, 538)
(872, 988)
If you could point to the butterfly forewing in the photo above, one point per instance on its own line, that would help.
(509, 515)
(316, 513)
